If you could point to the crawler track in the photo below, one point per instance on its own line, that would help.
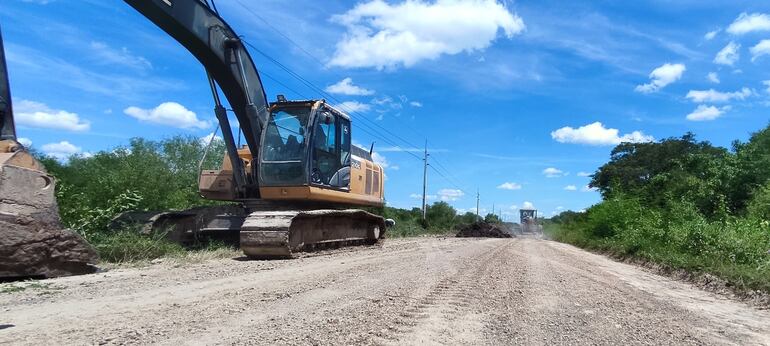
(271, 234)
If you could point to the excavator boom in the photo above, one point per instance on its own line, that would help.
(197, 26)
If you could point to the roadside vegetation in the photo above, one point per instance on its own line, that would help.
(163, 175)
(685, 204)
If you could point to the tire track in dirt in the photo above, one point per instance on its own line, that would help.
(446, 314)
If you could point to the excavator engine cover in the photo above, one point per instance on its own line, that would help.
(33, 243)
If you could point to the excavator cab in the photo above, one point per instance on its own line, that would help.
(306, 143)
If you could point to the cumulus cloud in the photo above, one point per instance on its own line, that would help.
(712, 95)
(26, 142)
(61, 151)
(588, 189)
(509, 186)
(662, 76)
(346, 87)
(713, 77)
(39, 115)
(169, 114)
(415, 104)
(711, 34)
(767, 84)
(383, 35)
(728, 55)
(514, 207)
(761, 49)
(707, 113)
(746, 23)
(570, 188)
(527, 205)
(584, 174)
(552, 172)
(353, 107)
(597, 134)
(450, 194)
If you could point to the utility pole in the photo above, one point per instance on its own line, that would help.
(424, 180)
(477, 202)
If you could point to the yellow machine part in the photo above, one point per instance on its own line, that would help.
(366, 185)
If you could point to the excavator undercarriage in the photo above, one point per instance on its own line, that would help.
(263, 229)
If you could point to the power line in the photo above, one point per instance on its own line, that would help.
(320, 91)
(309, 84)
(255, 14)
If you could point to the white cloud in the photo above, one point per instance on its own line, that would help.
(509, 186)
(39, 115)
(205, 140)
(707, 113)
(514, 207)
(419, 196)
(713, 77)
(552, 172)
(712, 95)
(353, 107)
(570, 188)
(450, 194)
(711, 34)
(26, 142)
(110, 56)
(61, 151)
(746, 23)
(762, 48)
(767, 84)
(597, 134)
(346, 87)
(415, 104)
(170, 114)
(527, 205)
(729, 54)
(384, 35)
(584, 174)
(380, 160)
(662, 76)
(588, 189)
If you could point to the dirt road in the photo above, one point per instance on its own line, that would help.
(412, 291)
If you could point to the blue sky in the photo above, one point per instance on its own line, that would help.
(516, 99)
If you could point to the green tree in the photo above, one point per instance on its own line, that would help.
(159, 175)
(441, 215)
(492, 218)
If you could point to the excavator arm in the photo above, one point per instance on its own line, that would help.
(7, 127)
(195, 25)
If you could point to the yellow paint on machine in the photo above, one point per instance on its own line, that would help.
(366, 188)
(313, 193)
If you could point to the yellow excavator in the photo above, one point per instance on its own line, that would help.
(298, 182)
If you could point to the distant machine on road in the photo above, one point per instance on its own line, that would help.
(529, 221)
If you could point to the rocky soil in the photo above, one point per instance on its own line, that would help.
(407, 291)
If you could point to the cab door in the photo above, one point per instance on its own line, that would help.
(330, 163)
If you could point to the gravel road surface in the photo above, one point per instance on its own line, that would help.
(407, 291)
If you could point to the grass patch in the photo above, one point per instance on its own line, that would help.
(735, 249)
(27, 285)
